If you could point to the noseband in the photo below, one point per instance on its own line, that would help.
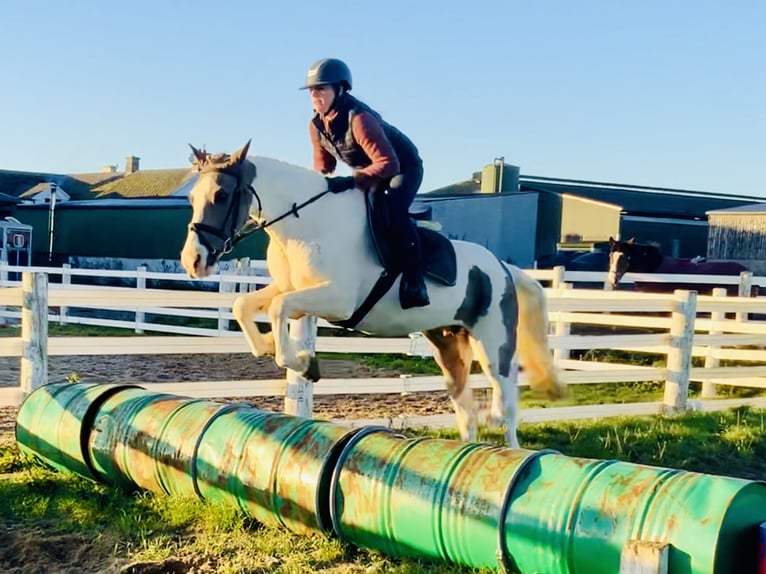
(231, 236)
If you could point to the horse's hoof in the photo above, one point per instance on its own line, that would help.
(312, 372)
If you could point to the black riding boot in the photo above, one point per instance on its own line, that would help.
(412, 289)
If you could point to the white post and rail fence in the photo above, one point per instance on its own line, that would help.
(676, 327)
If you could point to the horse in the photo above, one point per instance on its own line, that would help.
(323, 262)
(629, 256)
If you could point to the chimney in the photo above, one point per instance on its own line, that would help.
(131, 164)
(109, 169)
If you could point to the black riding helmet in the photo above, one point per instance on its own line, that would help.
(328, 71)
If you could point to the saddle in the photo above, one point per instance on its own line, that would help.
(439, 258)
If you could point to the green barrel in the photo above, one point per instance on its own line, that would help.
(574, 515)
(148, 440)
(425, 497)
(54, 423)
(277, 468)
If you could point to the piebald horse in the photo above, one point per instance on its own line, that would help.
(322, 263)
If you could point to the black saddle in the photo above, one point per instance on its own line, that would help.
(439, 259)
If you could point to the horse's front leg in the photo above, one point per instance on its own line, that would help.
(324, 300)
(245, 308)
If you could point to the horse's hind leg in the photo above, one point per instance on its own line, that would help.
(502, 372)
(452, 351)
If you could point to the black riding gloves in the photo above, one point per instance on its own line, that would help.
(340, 184)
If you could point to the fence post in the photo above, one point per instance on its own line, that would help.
(709, 388)
(558, 276)
(224, 287)
(243, 269)
(299, 394)
(140, 284)
(680, 352)
(561, 328)
(34, 331)
(3, 280)
(66, 279)
(745, 290)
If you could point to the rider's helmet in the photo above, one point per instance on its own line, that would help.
(328, 71)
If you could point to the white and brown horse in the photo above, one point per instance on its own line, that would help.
(322, 263)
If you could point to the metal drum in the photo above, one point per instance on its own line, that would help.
(425, 497)
(277, 468)
(55, 420)
(147, 440)
(574, 515)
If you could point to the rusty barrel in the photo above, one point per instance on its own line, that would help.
(575, 515)
(277, 468)
(54, 423)
(424, 497)
(142, 439)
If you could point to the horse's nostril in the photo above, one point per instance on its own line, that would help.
(197, 260)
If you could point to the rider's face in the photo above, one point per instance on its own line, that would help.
(322, 97)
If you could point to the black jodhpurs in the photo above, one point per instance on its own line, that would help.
(399, 196)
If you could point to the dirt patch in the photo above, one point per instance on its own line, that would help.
(26, 550)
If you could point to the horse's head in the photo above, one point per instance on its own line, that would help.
(619, 260)
(630, 256)
(220, 201)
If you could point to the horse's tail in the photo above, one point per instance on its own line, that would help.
(532, 336)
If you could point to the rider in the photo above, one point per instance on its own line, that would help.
(383, 158)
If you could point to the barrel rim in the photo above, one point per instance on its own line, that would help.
(504, 558)
(335, 477)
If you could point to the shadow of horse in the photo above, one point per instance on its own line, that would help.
(631, 257)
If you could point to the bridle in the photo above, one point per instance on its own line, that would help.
(234, 235)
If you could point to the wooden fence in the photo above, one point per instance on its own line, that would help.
(677, 327)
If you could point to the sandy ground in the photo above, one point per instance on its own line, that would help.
(221, 367)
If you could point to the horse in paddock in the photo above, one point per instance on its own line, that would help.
(326, 259)
(629, 256)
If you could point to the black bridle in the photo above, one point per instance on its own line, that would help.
(234, 235)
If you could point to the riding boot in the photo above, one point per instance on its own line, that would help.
(412, 289)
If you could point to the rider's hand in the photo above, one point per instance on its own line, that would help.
(340, 184)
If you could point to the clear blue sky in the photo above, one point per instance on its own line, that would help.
(668, 93)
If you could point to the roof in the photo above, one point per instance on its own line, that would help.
(641, 200)
(754, 208)
(24, 184)
(467, 187)
(144, 183)
(17, 185)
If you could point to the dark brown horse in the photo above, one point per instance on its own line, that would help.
(629, 256)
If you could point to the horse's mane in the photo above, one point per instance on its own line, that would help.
(281, 176)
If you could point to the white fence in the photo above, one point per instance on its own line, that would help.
(677, 326)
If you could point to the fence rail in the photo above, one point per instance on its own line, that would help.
(677, 326)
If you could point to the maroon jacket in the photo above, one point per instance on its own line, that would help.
(355, 134)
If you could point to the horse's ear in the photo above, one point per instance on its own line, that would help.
(201, 155)
(238, 156)
(612, 241)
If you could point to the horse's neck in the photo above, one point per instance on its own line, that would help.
(281, 185)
